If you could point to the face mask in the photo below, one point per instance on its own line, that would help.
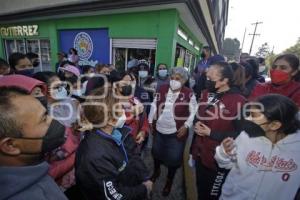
(163, 73)
(26, 72)
(175, 85)
(202, 55)
(253, 129)
(143, 74)
(261, 69)
(77, 93)
(116, 134)
(279, 77)
(121, 121)
(211, 86)
(60, 93)
(126, 90)
(54, 138)
(36, 63)
(43, 101)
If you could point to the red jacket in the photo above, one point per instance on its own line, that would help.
(229, 106)
(291, 90)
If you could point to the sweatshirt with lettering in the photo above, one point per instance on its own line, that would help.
(261, 170)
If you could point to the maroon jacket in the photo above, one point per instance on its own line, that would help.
(229, 105)
(181, 106)
(291, 90)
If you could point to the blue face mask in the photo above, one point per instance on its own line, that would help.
(163, 73)
(60, 93)
(116, 134)
(26, 72)
(143, 74)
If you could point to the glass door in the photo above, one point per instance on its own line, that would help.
(41, 47)
(45, 52)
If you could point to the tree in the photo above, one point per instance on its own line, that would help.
(263, 51)
(269, 59)
(231, 48)
(295, 49)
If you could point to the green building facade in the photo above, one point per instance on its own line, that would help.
(154, 36)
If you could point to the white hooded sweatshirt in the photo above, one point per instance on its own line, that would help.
(261, 170)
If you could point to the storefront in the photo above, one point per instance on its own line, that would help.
(155, 36)
(26, 39)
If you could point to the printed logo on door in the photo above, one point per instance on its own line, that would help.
(84, 45)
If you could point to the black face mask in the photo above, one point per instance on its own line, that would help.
(43, 101)
(54, 138)
(26, 72)
(202, 55)
(252, 129)
(36, 63)
(211, 86)
(126, 90)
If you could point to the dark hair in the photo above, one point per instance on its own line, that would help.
(66, 62)
(86, 68)
(206, 48)
(32, 55)
(73, 49)
(3, 63)
(281, 108)
(144, 65)
(225, 71)
(9, 126)
(260, 60)
(123, 74)
(72, 79)
(292, 59)
(255, 66)
(159, 64)
(14, 59)
(94, 83)
(239, 77)
(44, 76)
(248, 69)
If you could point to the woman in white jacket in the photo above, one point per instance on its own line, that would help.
(265, 158)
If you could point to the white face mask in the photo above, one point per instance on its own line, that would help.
(60, 93)
(121, 121)
(163, 73)
(262, 68)
(175, 85)
(143, 74)
(77, 93)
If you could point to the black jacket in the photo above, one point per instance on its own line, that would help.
(99, 162)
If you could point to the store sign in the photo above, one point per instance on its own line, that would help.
(92, 45)
(29, 30)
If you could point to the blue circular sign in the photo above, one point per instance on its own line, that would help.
(84, 45)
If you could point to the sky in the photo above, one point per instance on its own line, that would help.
(280, 28)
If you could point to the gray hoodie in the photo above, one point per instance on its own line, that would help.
(28, 182)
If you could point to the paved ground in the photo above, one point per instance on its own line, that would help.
(184, 183)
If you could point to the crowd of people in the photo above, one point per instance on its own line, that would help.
(80, 132)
